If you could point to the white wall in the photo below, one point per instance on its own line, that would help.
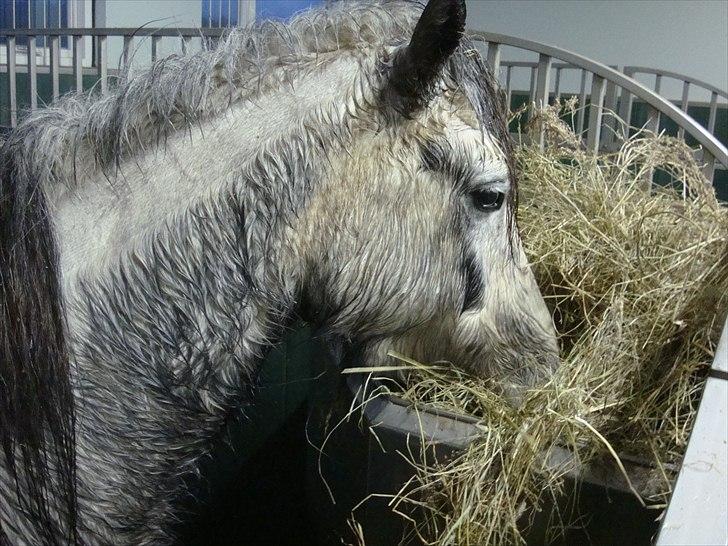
(162, 13)
(154, 13)
(685, 36)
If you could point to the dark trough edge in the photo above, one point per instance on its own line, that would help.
(457, 431)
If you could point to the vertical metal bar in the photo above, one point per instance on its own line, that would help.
(595, 113)
(128, 40)
(55, 59)
(557, 84)
(709, 167)
(77, 64)
(542, 90)
(582, 104)
(32, 73)
(685, 94)
(658, 83)
(652, 124)
(542, 84)
(12, 88)
(610, 105)
(713, 112)
(155, 47)
(625, 104)
(684, 106)
(625, 110)
(46, 44)
(494, 54)
(103, 65)
(509, 89)
(653, 120)
(610, 97)
(532, 86)
(247, 12)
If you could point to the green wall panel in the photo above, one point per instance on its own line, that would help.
(45, 92)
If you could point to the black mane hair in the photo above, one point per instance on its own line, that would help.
(36, 402)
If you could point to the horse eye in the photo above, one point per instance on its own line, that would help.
(487, 200)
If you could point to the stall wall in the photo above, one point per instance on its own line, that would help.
(684, 36)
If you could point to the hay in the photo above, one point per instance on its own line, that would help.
(638, 281)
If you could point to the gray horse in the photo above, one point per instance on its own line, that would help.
(352, 168)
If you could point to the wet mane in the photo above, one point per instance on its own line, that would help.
(147, 106)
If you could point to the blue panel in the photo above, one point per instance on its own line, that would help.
(215, 13)
(6, 17)
(234, 16)
(6, 14)
(21, 19)
(37, 18)
(64, 21)
(205, 13)
(64, 13)
(54, 14)
(282, 9)
(21, 13)
(225, 13)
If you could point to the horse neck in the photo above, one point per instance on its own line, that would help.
(167, 339)
(168, 351)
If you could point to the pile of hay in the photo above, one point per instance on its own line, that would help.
(638, 283)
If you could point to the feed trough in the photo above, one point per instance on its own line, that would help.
(357, 460)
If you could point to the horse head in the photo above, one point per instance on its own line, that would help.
(411, 234)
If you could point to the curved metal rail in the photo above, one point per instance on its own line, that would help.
(602, 76)
(610, 99)
(659, 73)
(687, 83)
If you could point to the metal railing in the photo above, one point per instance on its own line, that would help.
(560, 69)
(606, 83)
(99, 61)
(687, 83)
(611, 99)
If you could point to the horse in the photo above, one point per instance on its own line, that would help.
(352, 168)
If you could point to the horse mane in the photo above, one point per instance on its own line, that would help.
(36, 402)
(53, 144)
(146, 106)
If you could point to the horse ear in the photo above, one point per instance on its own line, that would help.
(436, 36)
